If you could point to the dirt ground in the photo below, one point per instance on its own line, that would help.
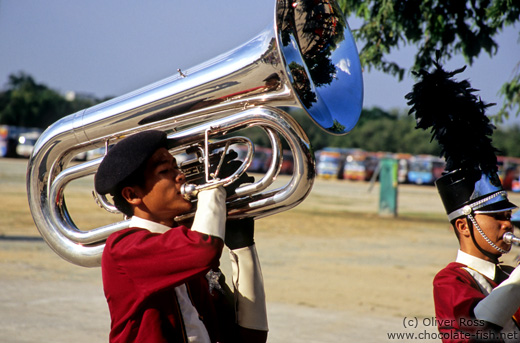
(335, 270)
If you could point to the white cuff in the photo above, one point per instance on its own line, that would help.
(503, 301)
(249, 289)
(210, 217)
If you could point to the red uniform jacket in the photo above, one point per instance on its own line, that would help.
(140, 270)
(456, 294)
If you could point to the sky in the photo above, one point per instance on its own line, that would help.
(111, 47)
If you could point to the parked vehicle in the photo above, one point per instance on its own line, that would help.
(330, 164)
(287, 163)
(261, 157)
(26, 142)
(10, 137)
(403, 166)
(515, 185)
(360, 166)
(354, 168)
(261, 160)
(7, 142)
(509, 171)
(425, 169)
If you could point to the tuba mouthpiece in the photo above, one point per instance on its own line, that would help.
(511, 239)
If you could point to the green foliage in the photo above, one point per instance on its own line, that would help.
(506, 141)
(511, 93)
(27, 103)
(378, 130)
(451, 27)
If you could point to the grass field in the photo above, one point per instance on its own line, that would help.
(331, 263)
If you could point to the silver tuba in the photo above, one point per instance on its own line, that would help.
(307, 59)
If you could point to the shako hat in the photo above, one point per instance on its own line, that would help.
(457, 120)
(126, 157)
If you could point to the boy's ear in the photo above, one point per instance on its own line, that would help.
(462, 227)
(130, 195)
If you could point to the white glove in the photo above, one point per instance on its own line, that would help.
(210, 217)
(503, 301)
(249, 289)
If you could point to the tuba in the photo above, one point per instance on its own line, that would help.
(307, 59)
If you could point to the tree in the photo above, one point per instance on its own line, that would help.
(506, 141)
(451, 27)
(378, 130)
(27, 103)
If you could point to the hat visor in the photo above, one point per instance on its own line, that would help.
(501, 206)
(515, 219)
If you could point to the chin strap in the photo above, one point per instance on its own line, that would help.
(486, 238)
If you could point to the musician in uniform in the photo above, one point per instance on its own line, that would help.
(162, 280)
(467, 300)
(476, 297)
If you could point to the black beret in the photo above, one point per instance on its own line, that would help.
(127, 156)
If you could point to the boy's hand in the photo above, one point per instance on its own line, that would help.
(239, 233)
(229, 166)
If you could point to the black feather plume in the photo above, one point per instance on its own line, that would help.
(456, 117)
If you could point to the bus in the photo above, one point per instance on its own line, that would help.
(360, 166)
(509, 172)
(425, 169)
(330, 162)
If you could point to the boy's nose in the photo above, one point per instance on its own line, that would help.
(180, 177)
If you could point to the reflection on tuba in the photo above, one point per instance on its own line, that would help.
(306, 59)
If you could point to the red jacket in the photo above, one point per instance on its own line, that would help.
(456, 294)
(140, 270)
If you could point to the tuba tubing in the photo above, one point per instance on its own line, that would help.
(85, 247)
(307, 59)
